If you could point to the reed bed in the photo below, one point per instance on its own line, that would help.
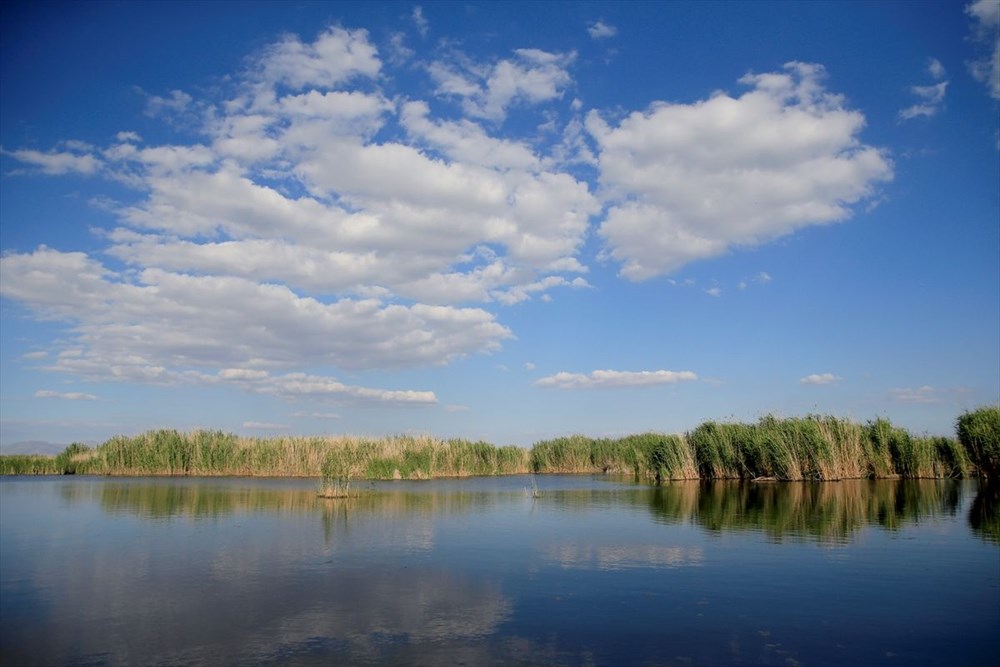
(821, 448)
(979, 433)
(28, 464)
(814, 447)
(655, 455)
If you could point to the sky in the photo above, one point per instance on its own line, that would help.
(498, 221)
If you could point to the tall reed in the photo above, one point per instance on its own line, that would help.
(653, 455)
(979, 433)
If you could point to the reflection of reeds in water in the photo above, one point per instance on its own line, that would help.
(825, 512)
(984, 515)
(828, 513)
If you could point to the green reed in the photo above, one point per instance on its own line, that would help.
(653, 455)
(979, 433)
(820, 448)
(28, 464)
(814, 447)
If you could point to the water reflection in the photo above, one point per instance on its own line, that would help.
(984, 515)
(594, 570)
(620, 557)
(826, 512)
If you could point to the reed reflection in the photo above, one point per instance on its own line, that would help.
(831, 512)
(984, 515)
(824, 512)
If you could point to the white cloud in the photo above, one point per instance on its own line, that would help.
(820, 379)
(316, 415)
(398, 51)
(302, 385)
(601, 30)
(264, 426)
(714, 291)
(57, 162)
(986, 30)
(935, 68)
(420, 21)
(175, 104)
(66, 396)
(487, 91)
(337, 56)
(930, 97)
(690, 181)
(922, 395)
(164, 327)
(611, 378)
(285, 241)
(528, 366)
(32, 356)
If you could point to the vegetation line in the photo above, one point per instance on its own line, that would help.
(797, 448)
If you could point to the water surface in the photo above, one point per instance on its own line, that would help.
(477, 571)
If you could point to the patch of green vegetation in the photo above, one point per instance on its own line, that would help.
(800, 448)
(979, 433)
(28, 464)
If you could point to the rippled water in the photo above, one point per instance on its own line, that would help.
(477, 571)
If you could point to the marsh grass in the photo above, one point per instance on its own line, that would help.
(652, 455)
(979, 433)
(789, 449)
(215, 453)
(28, 464)
(821, 448)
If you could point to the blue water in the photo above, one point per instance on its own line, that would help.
(594, 571)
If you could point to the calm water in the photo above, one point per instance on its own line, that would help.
(476, 571)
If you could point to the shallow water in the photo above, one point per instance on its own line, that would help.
(477, 571)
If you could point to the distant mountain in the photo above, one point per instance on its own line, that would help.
(32, 447)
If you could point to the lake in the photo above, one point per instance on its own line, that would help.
(593, 571)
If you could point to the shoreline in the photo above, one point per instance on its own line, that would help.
(811, 448)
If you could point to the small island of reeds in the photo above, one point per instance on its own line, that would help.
(815, 447)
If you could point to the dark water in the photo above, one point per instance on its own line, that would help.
(476, 571)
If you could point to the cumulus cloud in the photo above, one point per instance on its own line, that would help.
(690, 181)
(611, 378)
(820, 379)
(986, 31)
(931, 97)
(65, 395)
(601, 30)
(285, 239)
(170, 328)
(337, 56)
(487, 91)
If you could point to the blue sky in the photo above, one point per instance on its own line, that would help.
(505, 221)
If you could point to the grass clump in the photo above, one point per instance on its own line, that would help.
(28, 464)
(979, 433)
(820, 448)
(653, 455)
